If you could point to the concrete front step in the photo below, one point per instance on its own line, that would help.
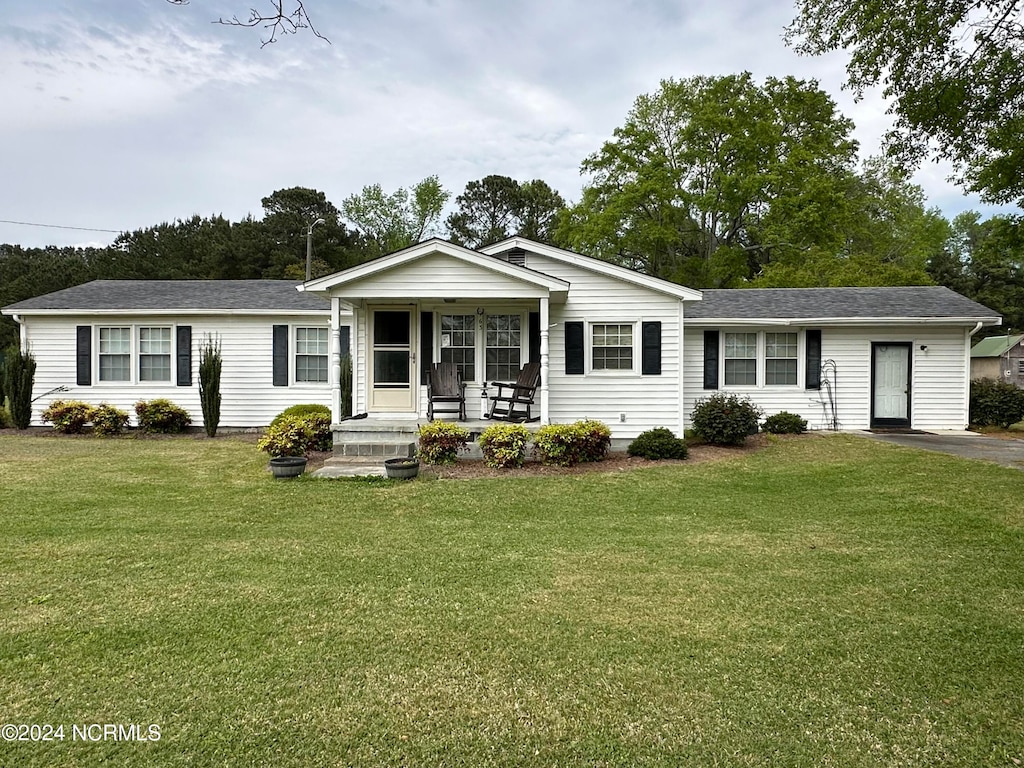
(377, 449)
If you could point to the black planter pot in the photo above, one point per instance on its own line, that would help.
(401, 469)
(287, 466)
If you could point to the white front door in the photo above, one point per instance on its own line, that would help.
(392, 360)
(891, 399)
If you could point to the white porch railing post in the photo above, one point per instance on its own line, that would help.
(544, 322)
(335, 360)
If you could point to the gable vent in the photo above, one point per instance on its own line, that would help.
(515, 256)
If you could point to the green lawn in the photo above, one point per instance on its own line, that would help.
(830, 601)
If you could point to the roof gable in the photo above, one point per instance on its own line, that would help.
(995, 346)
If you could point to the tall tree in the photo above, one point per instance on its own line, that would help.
(953, 70)
(711, 178)
(496, 207)
(403, 218)
(287, 217)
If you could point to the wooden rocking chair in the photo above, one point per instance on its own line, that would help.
(519, 396)
(445, 388)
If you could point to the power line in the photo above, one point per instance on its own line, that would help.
(59, 226)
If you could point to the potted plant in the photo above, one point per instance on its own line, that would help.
(402, 468)
(286, 442)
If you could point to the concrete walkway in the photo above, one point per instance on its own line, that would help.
(969, 445)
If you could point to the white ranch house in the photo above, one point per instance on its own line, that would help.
(631, 350)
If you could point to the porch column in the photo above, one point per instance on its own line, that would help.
(544, 322)
(335, 360)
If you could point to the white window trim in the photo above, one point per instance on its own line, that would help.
(293, 357)
(761, 360)
(588, 345)
(479, 342)
(134, 347)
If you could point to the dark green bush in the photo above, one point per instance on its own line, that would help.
(566, 445)
(321, 436)
(19, 377)
(441, 441)
(161, 416)
(108, 420)
(725, 419)
(658, 443)
(504, 445)
(210, 365)
(785, 423)
(68, 416)
(995, 403)
(300, 410)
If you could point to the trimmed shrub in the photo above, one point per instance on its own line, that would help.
(68, 416)
(108, 420)
(724, 419)
(301, 410)
(658, 443)
(995, 403)
(504, 445)
(289, 436)
(441, 441)
(210, 365)
(19, 377)
(785, 423)
(566, 445)
(161, 416)
(321, 438)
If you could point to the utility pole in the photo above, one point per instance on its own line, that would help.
(309, 247)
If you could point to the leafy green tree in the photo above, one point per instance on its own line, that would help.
(393, 222)
(497, 207)
(711, 178)
(954, 72)
(287, 216)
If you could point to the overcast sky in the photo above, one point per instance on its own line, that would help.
(121, 114)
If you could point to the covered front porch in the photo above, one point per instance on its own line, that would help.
(432, 303)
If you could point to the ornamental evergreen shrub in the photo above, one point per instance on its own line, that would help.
(441, 441)
(656, 444)
(289, 436)
(504, 445)
(346, 386)
(161, 416)
(566, 445)
(68, 416)
(19, 377)
(725, 419)
(785, 423)
(108, 420)
(210, 365)
(301, 410)
(321, 438)
(995, 403)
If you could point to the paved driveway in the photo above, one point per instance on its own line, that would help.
(1009, 453)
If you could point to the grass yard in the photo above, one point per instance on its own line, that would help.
(830, 601)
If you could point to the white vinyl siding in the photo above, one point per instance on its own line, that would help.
(115, 354)
(311, 347)
(155, 354)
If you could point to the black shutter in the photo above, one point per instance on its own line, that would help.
(534, 339)
(710, 359)
(280, 355)
(345, 340)
(813, 359)
(83, 355)
(650, 348)
(574, 354)
(184, 355)
(426, 345)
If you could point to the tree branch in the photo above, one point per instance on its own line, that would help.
(279, 22)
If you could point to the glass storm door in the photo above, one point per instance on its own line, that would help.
(891, 376)
(392, 361)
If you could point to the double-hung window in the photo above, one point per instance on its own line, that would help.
(612, 346)
(115, 353)
(154, 354)
(311, 346)
(780, 356)
(503, 338)
(458, 344)
(740, 357)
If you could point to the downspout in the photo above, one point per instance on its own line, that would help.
(967, 373)
(22, 333)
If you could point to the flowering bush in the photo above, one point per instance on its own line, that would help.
(504, 445)
(441, 441)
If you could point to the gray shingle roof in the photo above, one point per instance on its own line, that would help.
(923, 301)
(178, 294)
